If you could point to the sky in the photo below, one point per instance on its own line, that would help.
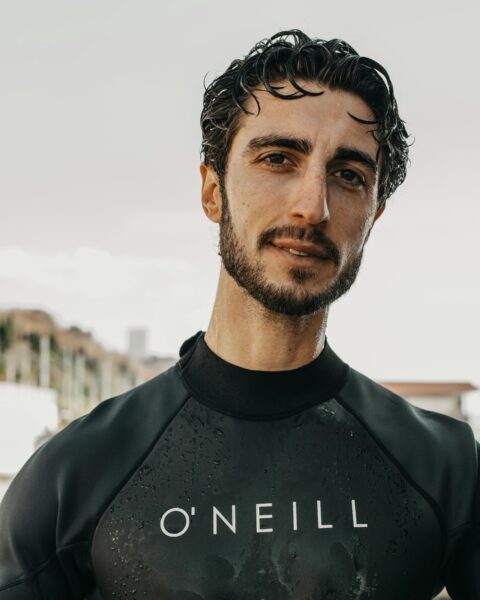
(101, 221)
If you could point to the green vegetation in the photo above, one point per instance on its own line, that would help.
(34, 341)
(6, 334)
(54, 347)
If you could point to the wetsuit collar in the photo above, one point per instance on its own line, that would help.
(241, 392)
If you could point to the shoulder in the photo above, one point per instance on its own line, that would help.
(436, 452)
(137, 413)
(382, 408)
(59, 494)
(116, 425)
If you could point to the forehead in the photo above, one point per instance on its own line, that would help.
(324, 119)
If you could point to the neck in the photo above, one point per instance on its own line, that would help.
(245, 333)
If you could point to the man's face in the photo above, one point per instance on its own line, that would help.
(299, 199)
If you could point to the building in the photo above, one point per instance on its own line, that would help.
(137, 343)
(36, 351)
(444, 397)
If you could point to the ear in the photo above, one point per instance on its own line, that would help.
(378, 213)
(211, 196)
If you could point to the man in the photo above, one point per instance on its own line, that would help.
(261, 466)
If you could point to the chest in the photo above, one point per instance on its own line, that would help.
(303, 507)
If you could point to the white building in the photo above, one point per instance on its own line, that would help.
(27, 414)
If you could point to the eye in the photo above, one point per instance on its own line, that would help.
(350, 177)
(276, 159)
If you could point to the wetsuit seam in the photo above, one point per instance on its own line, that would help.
(24, 578)
(431, 501)
(461, 528)
(131, 473)
(423, 493)
(42, 566)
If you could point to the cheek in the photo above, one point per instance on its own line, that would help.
(353, 229)
(255, 201)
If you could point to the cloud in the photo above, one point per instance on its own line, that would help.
(94, 273)
(107, 294)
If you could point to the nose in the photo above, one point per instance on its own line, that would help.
(310, 204)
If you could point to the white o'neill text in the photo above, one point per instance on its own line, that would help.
(176, 521)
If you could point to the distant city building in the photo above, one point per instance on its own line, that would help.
(36, 351)
(28, 414)
(444, 397)
(137, 343)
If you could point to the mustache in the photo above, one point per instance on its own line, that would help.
(314, 236)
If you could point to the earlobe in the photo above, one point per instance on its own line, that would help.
(211, 196)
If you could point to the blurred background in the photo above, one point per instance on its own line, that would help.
(107, 262)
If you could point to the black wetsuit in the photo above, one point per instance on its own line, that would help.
(220, 483)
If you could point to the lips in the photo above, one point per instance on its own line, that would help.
(302, 249)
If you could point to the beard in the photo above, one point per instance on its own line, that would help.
(286, 300)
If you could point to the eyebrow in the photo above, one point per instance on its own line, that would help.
(356, 155)
(301, 145)
(304, 146)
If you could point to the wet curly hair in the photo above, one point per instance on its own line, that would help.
(291, 56)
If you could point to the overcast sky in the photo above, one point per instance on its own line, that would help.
(101, 222)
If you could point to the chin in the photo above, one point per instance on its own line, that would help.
(306, 280)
